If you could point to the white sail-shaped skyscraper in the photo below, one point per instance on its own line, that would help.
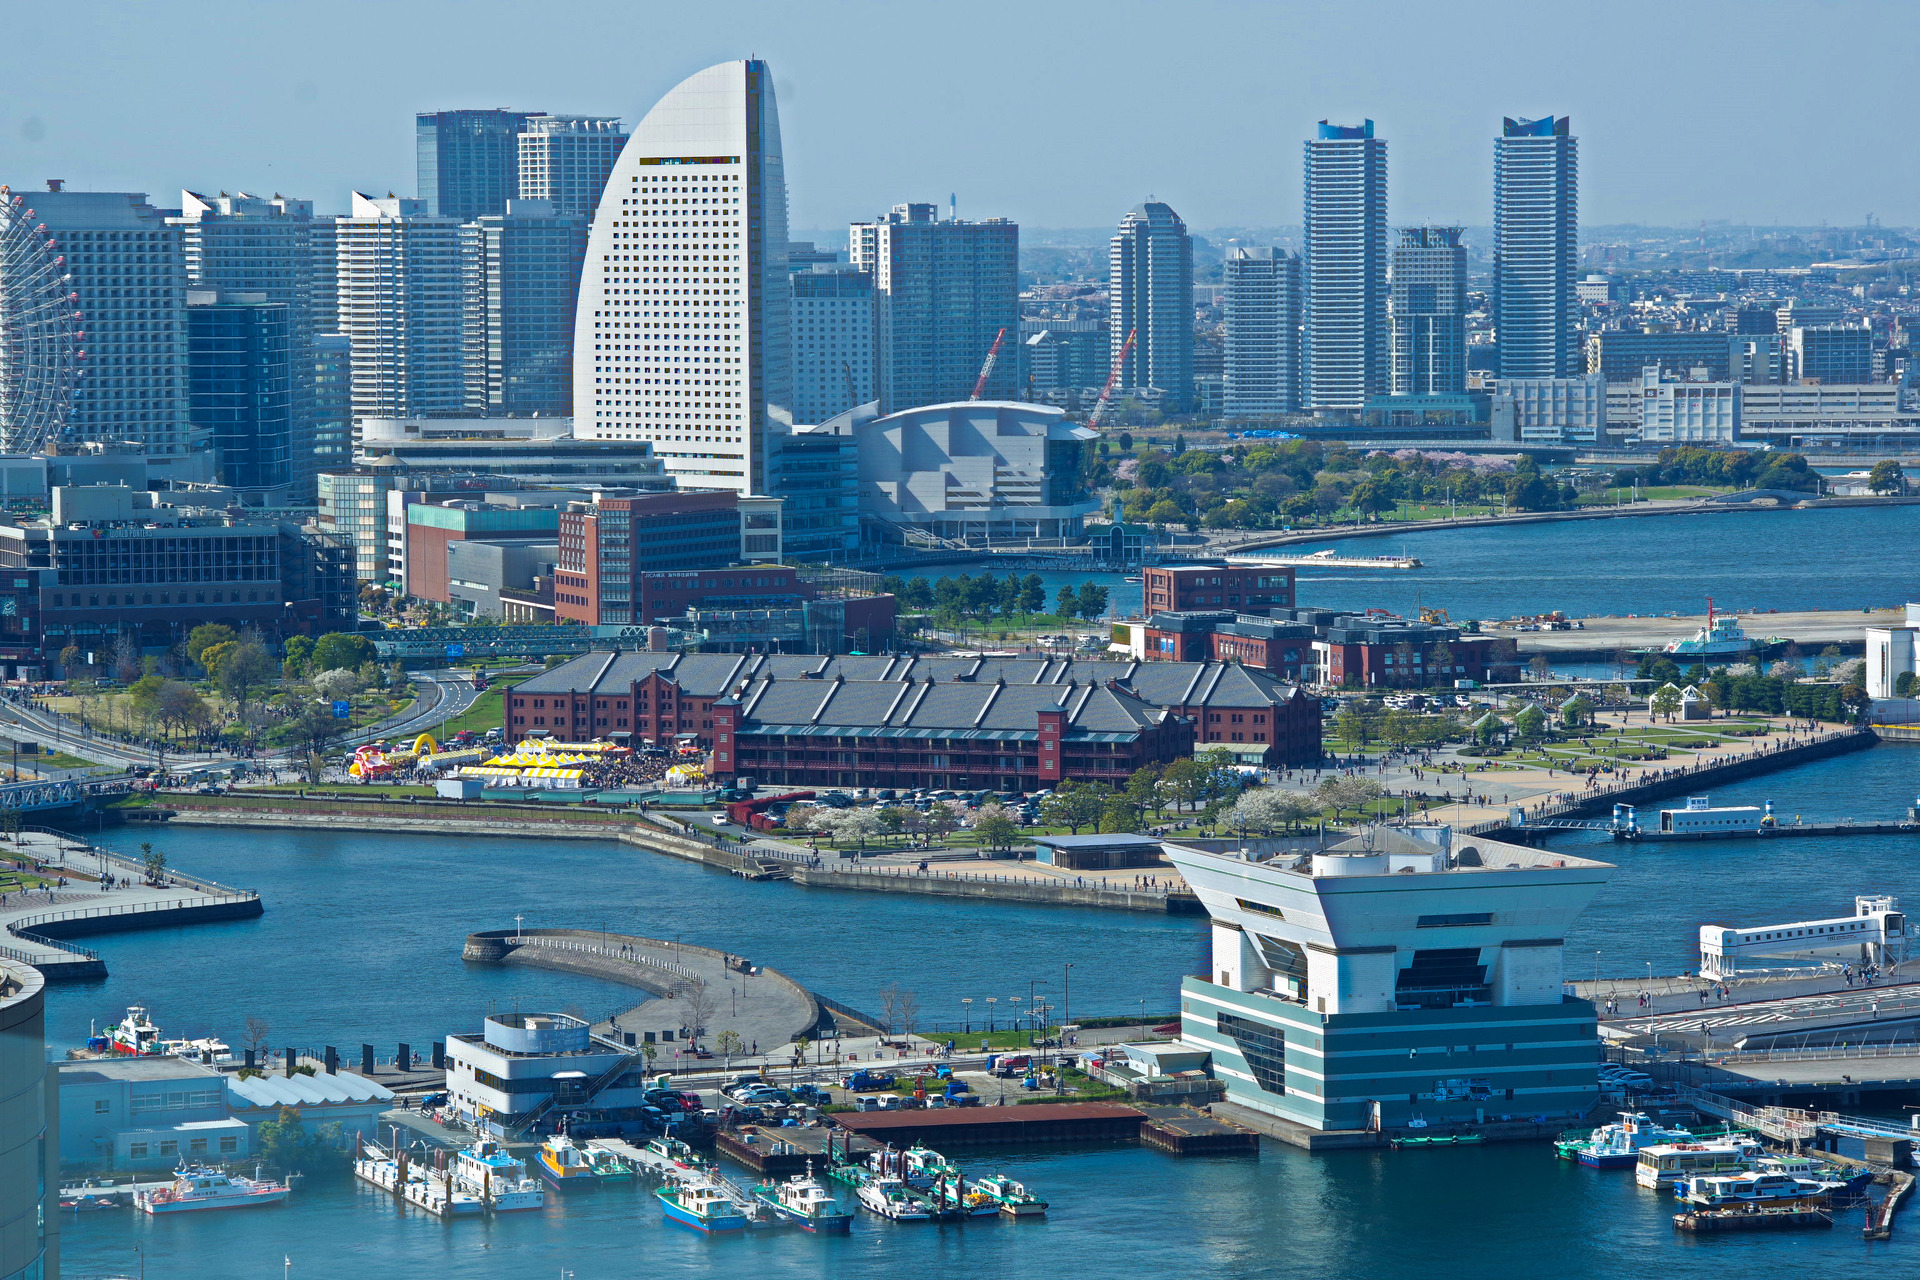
(682, 331)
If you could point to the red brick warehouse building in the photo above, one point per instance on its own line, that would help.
(1261, 718)
(1242, 589)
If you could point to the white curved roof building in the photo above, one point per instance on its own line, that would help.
(681, 337)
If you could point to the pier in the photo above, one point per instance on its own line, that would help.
(690, 985)
(1035, 1124)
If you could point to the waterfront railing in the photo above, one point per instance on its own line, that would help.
(609, 951)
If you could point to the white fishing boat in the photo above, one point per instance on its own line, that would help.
(487, 1171)
(805, 1201)
(1013, 1198)
(198, 1188)
(891, 1198)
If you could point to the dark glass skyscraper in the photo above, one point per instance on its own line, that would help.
(240, 375)
(1429, 312)
(1536, 228)
(469, 161)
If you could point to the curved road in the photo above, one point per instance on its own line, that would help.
(440, 696)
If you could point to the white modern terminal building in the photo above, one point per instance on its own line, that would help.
(681, 337)
(974, 469)
(1406, 974)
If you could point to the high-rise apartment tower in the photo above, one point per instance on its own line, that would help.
(942, 292)
(400, 305)
(1263, 299)
(1536, 227)
(566, 160)
(1150, 295)
(1345, 224)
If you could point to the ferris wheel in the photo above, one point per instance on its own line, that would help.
(41, 351)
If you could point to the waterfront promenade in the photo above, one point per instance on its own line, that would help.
(90, 890)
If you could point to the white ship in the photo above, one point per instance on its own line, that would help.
(487, 1171)
(198, 1188)
(1722, 637)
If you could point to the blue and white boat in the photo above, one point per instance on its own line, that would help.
(1618, 1146)
(692, 1197)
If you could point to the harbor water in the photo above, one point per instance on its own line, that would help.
(1814, 559)
(361, 941)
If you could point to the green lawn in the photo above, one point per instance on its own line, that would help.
(487, 712)
(1669, 491)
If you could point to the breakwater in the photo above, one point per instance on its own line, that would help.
(975, 884)
(763, 1005)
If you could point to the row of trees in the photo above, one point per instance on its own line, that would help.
(986, 597)
(1737, 468)
(1259, 485)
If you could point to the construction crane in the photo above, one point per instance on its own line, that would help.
(1113, 376)
(853, 396)
(986, 370)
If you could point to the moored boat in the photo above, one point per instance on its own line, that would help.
(693, 1198)
(134, 1035)
(1666, 1163)
(1618, 1145)
(487, 1171)
(805, 1201)
(1012, 1197)
(892, 1198)
(564, 1165)
(1722, 637)
(198, 1188)
(1753, 1187)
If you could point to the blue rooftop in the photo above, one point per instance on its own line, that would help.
(1544, 127)
(1335, 131)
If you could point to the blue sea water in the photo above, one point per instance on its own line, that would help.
(361, 941)
(1845, 559)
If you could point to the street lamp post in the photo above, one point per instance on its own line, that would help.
(966, 1014)
(991, 1001)
(1013, 1016)
(1066, 1007)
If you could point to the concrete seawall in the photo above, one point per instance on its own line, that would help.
(60, 964)
(1007, 890)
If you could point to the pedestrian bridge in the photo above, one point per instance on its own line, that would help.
(23, 797)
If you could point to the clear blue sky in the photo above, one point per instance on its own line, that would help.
(1058, 113)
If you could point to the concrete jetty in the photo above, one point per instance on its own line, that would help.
(691, 986)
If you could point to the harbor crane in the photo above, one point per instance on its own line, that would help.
(986, 370)
(1113, 376)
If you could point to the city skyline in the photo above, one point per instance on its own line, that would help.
(321, 132)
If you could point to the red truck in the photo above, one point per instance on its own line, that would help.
(745, 811)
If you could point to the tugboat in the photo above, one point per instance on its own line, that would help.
(1013, 1198)
(1722, 637)
(496, 1177)
(694, 1198)
(1617, 1146)
(952, 1198)
(804, 1200)
(198, 1188)
(565, 1165)
(607, 1167)
(891, 1198)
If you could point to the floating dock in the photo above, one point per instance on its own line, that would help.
(1183, 1131)
(1038, 1123)
(1754, 1218)
(765, 1154)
